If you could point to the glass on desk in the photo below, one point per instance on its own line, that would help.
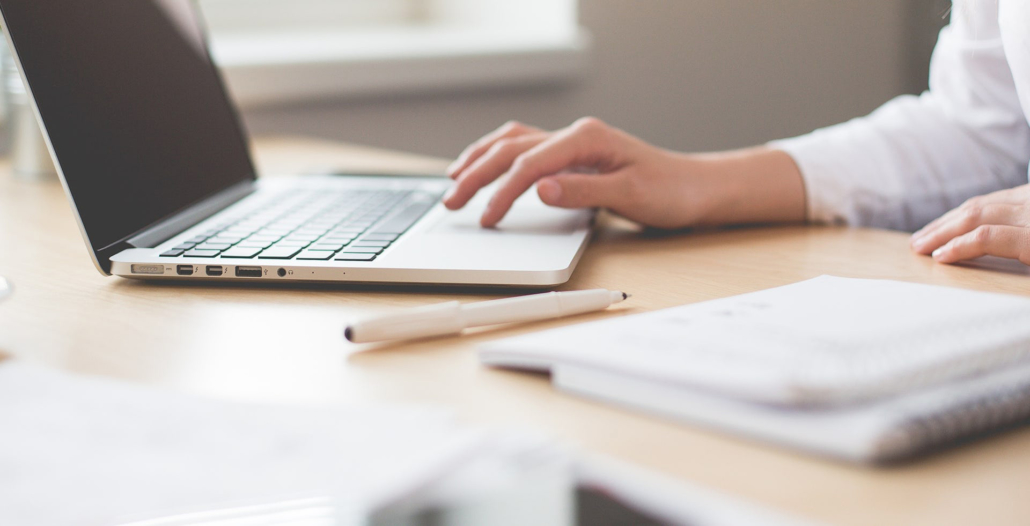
(30, 158)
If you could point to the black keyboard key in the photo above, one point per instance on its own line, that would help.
(332, 247)
(292, 243)
(263, 237)
(278, 252)
(380, 237)
(243, 227)
(393, 227)
(255, 244)
(172, 253)
(336, 240)
(302, 237)
(372, 243)
(316, 255)
(199, 253)
(363, 250)
(213, 246)
(228, 240)
(241, 252)
(324, 222)
(343, 256)
(239, 232)
(273, 232)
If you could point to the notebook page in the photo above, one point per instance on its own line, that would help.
(825, 340)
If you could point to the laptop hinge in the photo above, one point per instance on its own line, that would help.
(165, 230)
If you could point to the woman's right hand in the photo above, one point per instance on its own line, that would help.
(592, 165)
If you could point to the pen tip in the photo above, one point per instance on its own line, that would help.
(347, 333)
(626, 296)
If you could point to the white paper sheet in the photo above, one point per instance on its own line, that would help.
(84, 451)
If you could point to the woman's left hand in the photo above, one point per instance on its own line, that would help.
(996, 224)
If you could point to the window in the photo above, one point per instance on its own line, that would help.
(275, 51)
(249, 16)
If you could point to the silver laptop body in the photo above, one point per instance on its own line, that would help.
(156, 165)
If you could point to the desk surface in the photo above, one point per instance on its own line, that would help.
(284, 344)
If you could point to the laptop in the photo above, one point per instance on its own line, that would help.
(155, 162)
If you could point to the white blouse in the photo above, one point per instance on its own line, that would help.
(918, 157)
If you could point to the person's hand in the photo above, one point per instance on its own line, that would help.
(586, 165)
(592, 165)
(996, 224)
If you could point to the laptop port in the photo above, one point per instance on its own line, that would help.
(248, 272)
(214, 270)
(148, 269)
(184, 270)
(281, 272)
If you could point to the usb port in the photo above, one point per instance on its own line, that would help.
(214, 270)
(248, 272)
(184, 270)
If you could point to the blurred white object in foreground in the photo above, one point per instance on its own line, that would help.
(80, 450)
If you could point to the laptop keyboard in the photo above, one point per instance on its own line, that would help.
(349, 225)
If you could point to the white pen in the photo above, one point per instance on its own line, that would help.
(453, 317)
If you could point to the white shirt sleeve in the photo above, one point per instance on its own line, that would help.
(918, 157)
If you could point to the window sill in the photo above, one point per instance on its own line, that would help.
(269, 69)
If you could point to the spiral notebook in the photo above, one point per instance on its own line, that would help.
(866, 370)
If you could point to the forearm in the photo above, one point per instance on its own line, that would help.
(756, 185)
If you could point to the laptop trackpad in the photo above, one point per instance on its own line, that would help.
(532, 237)
(529, 216)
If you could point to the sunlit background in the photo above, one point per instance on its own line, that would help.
(431, 75)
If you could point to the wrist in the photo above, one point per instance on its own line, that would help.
(751, 186)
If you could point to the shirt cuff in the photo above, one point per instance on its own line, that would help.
(826, 195)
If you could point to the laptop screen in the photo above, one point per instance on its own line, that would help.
(134, 108)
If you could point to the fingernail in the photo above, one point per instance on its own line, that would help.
(488, 212)
(449, 194)
(550, 191)
(452, 168)
(485, 220)
(937, 253)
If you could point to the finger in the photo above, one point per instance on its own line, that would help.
(586, 143)
(583, 190)
(491, 165)
(933, 225)
(480, 147)
(1013, 196)
(966, 221)
(989, 240)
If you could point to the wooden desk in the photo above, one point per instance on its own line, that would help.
(283, 344)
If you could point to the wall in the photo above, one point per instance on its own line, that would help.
(685, 74)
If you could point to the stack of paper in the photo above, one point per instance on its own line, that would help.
(862, 369)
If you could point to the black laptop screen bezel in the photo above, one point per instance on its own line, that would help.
(104, 245)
